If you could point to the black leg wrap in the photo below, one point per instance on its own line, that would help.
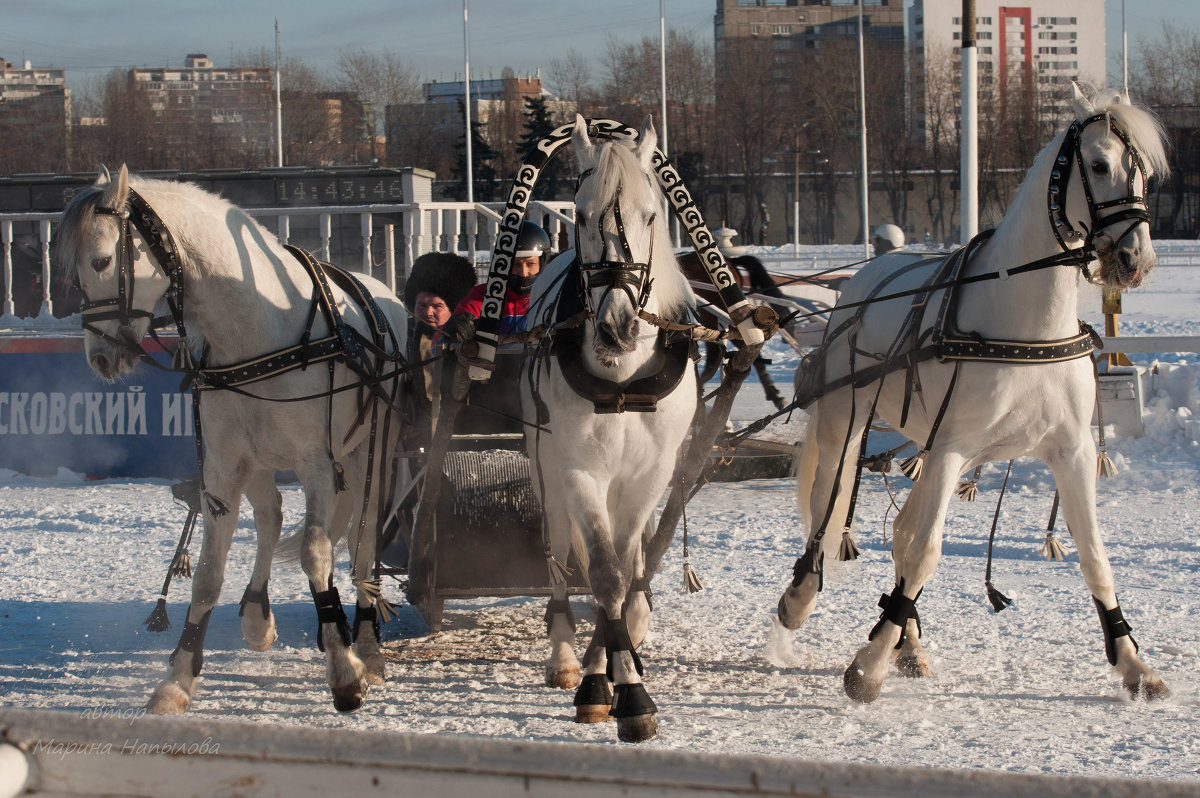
(364, 615)
(641, 584)
(329, 610)
(594, 690)
(559, 607)
(897, 608)
(616, 639)
(1114, 625)
(258, 597)
(809, 563)
(192, 641)
(631, 700)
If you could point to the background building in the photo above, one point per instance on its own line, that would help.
(35, 110)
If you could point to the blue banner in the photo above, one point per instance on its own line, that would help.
(56, 413)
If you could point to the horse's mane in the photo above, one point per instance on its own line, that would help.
(617, 169)
(79, 213)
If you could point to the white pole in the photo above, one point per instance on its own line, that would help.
(467, 104)
(970, 127)
(662, 73)
(862, 120)
(278, 104)
(1124, 51)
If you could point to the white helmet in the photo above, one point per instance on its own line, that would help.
(890, 233)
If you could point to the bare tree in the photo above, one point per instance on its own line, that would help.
(570, 78)
(1166, 76)
(378, 79)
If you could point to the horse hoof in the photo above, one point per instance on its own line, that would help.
(593, 699)
(349, 698)
(564, 678)
(636, 729)
(169, 699)
(375, 672)
(1149, 689)
(260, 641)
(858, 687)
(592, 713)
(913, 667)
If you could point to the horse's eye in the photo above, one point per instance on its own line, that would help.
(580, 218)
(653, 216)
(100, 264)
(1100, 168)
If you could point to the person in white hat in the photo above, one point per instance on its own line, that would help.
(887, 238)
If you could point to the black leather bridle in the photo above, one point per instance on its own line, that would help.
(628, 275)
(137, 213)
(1070, 154)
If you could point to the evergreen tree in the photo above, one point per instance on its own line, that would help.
(538, 125)
(482, 157)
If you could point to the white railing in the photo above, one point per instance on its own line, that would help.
(469, 229)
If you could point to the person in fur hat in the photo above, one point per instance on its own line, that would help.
(438, 282)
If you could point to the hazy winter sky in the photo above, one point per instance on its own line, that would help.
(90, 38)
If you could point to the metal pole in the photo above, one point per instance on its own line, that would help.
(970, 127)
(862, 105)
(467, 104)
(1124, 51)
(662, 72)
(278, 104)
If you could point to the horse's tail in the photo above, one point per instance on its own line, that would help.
(288, 548)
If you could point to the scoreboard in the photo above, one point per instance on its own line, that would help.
(260, 188)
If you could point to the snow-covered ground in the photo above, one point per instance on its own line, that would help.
(1025, 690)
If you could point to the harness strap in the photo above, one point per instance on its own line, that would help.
(606, 396)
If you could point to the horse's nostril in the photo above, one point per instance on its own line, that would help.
(100, 363)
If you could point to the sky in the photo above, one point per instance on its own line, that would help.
(89, 39)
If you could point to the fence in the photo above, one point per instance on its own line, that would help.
(381, 240)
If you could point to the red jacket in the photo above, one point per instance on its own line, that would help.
(512, 312)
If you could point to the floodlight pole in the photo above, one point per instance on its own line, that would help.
(862, 132)
(467, 105)
(969, 167)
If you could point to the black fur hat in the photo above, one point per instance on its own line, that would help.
(448, 275)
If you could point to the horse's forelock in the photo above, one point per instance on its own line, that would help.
(1145, 131)
(79, 213)
(618, 169)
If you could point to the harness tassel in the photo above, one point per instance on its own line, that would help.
(691, 582)
(969, 487)
(912, 466)
(558, 571)
(182, 565)
(998, 599)
(1052, 549)
(848, 550)
(158, 621)
(374, 589)
(1104, 465)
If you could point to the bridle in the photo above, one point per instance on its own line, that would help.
(137, 213)
(1131, 206)
(628, 275)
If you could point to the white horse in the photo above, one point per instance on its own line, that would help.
(256, 338)
(975, 401)
(604, 465)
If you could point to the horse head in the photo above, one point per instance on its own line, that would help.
(620, 235)
(1108, 158)
(112, 265)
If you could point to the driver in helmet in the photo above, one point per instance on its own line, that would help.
(888, 237)
(533, 250)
